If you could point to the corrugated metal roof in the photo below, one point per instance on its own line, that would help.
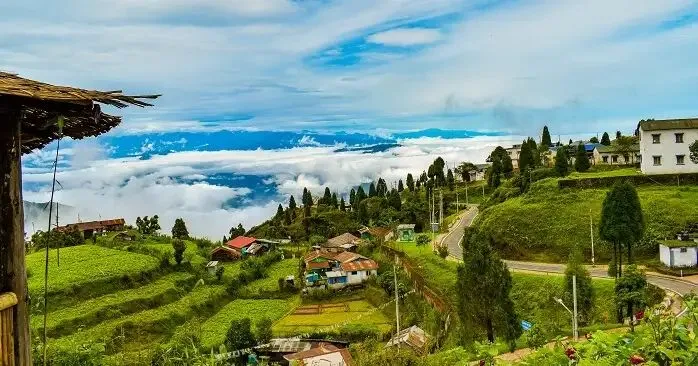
(361, 265)
(240, 242)
(339, 240)
(668, 124)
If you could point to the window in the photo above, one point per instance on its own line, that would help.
(605, 159)
(614, 159)
(680, 159)
(655, 138)
(354, 273)
(657, 160)
(679, 138)
(684, 250)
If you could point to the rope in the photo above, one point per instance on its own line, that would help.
(48, 233)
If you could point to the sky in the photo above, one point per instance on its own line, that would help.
(230, 70)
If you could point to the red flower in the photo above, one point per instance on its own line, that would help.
(640, 314)
(482, 362)
(636, 360)
(571, 353)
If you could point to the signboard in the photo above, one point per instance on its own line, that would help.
(526, 325)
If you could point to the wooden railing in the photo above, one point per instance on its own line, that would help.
(8, 301)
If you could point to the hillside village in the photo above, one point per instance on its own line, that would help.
(323, 280)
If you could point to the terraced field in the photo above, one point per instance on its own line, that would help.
(330, 317)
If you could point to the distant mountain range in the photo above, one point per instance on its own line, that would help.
(36, 215)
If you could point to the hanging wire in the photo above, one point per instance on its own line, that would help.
(59, 122)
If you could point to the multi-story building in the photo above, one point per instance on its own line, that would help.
(514, 153)
(664, 145)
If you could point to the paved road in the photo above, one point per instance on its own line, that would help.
(452, 240)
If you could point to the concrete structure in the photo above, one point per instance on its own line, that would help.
(514, 153)
(413, 337)
(664, 145)
(211, 267)
(678, 253)
(612, 155)
(405, 232)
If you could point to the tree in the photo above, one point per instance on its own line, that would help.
(450, 180)
(422, 240)
(605, 139)
(394, 200)
(342, 205)
(360, 195)
(219, 273)
(292, 203)
(545, 140)
(525, 158)
(494, 173)
(693, 149)
(410, 182)
(484, 274)
(624, 144)
(279, 212)
(562, 166)
(594, 140)
(400, 186)
(581, 159)
(585, 290)
(381, 188)
(179, 229)
(372, 190)
(362, 213)
(622, 221)
(179, 248)
(507, 166)
(535, 154)
(465, 168)
(236, 231)
(264, 333)
(618, 135)
(352, 197)
(335, 202)
(239, 335)
(630, 291)
(327, 197)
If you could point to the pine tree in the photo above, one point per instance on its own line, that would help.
(594, 140)
(362, 214)
(179, 230)
(372, 190)
(562, 166)
(394, 200)
(524, 158)
(292, 203)
(327, 197)
(605, 139)
(618, 135)
(381, 188)
(279, 212)
(352, 197)
(545, 140)
(342, 205)
(400, 187)
(360, 195)
(585, 290)
(450, 180)
(535, 154)
(495, 174)
(570, 143)
(622, 221)
(410, 182)
(581, 159)
(304, 199)
(334, 201)
(418, 184)
(507, 166)
(492, 310)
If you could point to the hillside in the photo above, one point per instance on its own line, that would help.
(547, 221)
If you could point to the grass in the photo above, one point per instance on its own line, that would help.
(439, 273)
(360, 312)
(85, 264)
(271, 282)
(214, 329)
(70, 319)
(547, 222)
(140, 330)
(622, 172)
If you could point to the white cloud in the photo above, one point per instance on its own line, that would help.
(174, 185)
(406, 37)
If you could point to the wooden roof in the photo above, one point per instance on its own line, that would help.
(40, 105)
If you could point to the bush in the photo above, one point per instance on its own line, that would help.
(442, 251)
(636, 180)
(219, 273)
(179, 248)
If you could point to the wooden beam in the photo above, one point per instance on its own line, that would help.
(13, 274)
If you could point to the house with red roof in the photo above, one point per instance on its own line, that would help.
(337, 270)
(240, 243)
(240, 247)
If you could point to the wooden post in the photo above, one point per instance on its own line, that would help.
(13, 275)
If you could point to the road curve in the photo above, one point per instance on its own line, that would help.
(452, 241)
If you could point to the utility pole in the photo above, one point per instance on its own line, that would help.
(397, 308)
(441, 207)
(574, 295)
(58, 244)
(591, 234)
(466, 194)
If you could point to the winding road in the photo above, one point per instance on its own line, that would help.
(453, 238)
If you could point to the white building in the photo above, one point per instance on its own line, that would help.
(514, 153)
(664, 145)
(675, 253)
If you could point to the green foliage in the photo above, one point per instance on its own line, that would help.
(622, 221)
(148, 225)
(581, 159)
(410, 182)
(442, 251)
(594, 140)
(57, 239)
(317, 239)
(422, 240)
(483, 273)
(450, 180)
(693, 149)
(605, 139)
(545, 140)
(239, 335)
(263, 333)
(631, 291)
(219, 273)
(535, 338)
(561, 162)
(464, 170)
(236, 231)
(179, 247)
(179, 229)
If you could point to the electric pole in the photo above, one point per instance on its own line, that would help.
(574, 295)
(397, 308)
(441, 207)
(591, 234)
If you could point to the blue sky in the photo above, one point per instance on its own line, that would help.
(505, 65)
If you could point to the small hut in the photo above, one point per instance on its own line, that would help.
(30, 112)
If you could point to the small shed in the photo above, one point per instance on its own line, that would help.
(32, 115)
(678, 253)
(225, 254)
(413, 337)
(211, 267)
(405, 232)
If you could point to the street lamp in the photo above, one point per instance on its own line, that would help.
(575, 330)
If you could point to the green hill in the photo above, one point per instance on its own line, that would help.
(546, 222)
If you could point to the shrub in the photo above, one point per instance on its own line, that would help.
(264, 333)
(179, 248)
(219, 273)
(442, 251)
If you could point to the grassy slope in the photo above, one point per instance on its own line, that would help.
(83, 264)
(70, 319)
(547, 221)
